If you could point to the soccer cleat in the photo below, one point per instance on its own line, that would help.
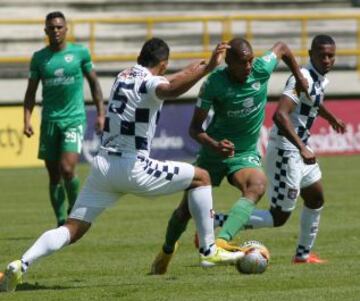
(220, 257)
(13, 276)
(222, 243)
(313, 258)
(161, 262)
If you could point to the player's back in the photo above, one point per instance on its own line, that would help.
(133, 111)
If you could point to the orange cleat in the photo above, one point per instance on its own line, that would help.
(313, 258)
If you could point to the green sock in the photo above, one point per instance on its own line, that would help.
(57, 197)
(173, 232)
(238, 217)
(72, 191)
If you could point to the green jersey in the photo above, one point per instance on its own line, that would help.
(61, 75)
(239, 109)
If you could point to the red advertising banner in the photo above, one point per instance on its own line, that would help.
(324, 140)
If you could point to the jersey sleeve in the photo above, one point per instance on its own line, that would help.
(152, 84)
(290, 88)
(206, 95)
(34, 72)
(86, 63)
(266, 64)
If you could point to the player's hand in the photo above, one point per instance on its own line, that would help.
(302, 86)
(225, 148)
(99, 124)
(28, 130)
(338, 125)
(308, 155)
(217, 56)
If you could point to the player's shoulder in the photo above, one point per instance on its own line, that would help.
(41, 52)
(218, 74)
(75, 47)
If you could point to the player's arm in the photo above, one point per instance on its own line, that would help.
(337, 124)
(182, 81)
(282, 120)
(283, 52)
(196, 131)
(29, 103)
(97, 97)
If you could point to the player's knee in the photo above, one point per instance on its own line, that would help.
(279, 217)
(314, 204)
(67, 171)
(202, 177)
(77, 229)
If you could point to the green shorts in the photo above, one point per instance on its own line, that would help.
(218, 167)
(58, 137)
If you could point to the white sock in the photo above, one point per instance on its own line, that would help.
(46, 244)
(201, 209)
(260, 219)
(309, 227)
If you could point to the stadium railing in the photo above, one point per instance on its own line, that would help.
(226, 27)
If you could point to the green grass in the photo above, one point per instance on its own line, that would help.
(112, 261)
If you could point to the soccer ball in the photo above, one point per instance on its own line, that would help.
(256, 258)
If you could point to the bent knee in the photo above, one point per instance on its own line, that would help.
(279, 217)
(202, 177)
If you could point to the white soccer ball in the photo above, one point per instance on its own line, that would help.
(256, 258)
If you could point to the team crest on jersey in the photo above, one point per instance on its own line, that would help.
(248, 102)
(69, 58)
(256, 86)
(292, 193)
(59, 72)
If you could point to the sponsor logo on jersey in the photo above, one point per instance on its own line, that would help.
(248, 102)
(69, 58)
(59, 72)
(256, 86)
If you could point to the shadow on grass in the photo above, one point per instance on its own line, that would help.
(36, 286)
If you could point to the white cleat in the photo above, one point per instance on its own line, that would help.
(13, 276)
(220, 257)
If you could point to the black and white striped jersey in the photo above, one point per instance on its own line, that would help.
(133, 112)
(306, 110)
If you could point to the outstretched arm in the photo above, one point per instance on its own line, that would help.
(282, 120)
(337, 124)
(284, 53)
(97, 97)
(29, 103)
(182, 81)
(224, 147)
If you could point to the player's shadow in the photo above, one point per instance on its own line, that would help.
(36, 286)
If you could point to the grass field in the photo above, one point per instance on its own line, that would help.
(112, 262)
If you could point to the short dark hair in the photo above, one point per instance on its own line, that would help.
(237, 45)
(153, 52)
(322, 39)
(55, 14)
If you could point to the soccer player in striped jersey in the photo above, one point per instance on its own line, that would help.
(123, 165)
(292, 168)
(61, 67)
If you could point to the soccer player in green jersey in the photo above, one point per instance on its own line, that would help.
(61, 67)
(238, 94)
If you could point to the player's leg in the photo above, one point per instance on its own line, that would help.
(199, 205)
(56, 191)
(252, 183)
(71, 181)
(92, 201)
(309, 226)
(71, 143)
(49, 151)
(48, 243)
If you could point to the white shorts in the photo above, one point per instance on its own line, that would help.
(287, 174)
(113, 176)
